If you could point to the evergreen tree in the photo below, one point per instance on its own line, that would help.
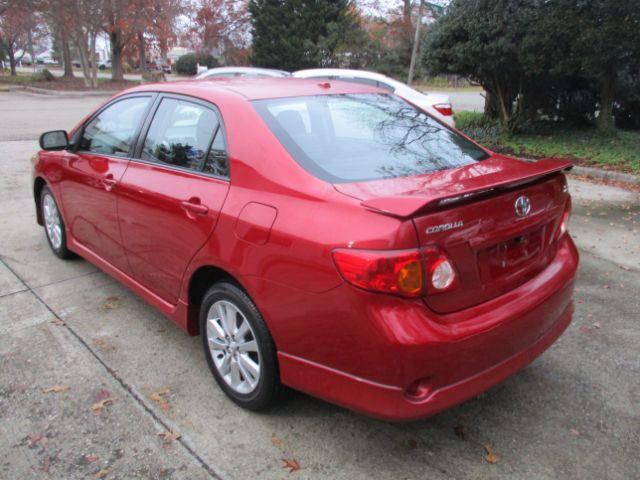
(296, 34)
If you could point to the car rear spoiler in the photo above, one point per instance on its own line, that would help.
(404, 206)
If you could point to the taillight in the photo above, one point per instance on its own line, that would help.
(566, 217)
(441, 274)
(399, 272)
(408, 273)
(444, 109)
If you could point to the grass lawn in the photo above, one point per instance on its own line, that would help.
(38, 80)
(586, 146)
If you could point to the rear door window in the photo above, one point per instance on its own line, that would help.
(180, 134)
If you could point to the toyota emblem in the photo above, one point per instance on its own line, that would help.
(523, 206)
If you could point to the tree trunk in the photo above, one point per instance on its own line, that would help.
(12, 59)
(142, 60)
(94, 66)
(490, 105)
(605, 120)
(416, 42)
(115, 38)
(30, 48)
(66, 58)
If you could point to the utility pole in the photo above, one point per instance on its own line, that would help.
(416, 42)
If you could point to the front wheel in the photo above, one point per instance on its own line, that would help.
(53, 224)
(239, 349)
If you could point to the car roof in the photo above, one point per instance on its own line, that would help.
(254, 70)
(323, 72)
(254, 88)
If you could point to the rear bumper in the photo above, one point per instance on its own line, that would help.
(453, 358)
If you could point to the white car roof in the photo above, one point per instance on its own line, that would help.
(345, 72)
(267, 72)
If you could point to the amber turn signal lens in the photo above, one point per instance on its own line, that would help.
(410, 277)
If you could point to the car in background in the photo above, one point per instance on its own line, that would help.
(225, 72)
(104, 64)
(438, 105)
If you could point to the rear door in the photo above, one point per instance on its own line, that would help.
(172, 192)
(93, 172)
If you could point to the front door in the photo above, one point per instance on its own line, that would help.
(92, 175)
(170, 197)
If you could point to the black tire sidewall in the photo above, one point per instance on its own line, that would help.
(268, 387)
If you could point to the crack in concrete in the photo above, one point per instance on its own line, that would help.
(214, 472)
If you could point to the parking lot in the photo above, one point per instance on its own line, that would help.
(94, 383)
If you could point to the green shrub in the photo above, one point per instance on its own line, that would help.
(187, 64)
(43, 76)
(477, 126)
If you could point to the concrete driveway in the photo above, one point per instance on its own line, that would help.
(94, 383)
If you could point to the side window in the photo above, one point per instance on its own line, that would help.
(112, 131)
(217, 162)
(180, 134)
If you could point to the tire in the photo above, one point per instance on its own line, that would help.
(54, 227)
(254, 392)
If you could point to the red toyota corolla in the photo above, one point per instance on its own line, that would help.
(325, 236)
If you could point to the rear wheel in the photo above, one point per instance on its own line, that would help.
(239, 349)
(53, 224)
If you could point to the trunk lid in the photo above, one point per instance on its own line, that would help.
(470, 214)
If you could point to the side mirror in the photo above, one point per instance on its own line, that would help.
(54, 140)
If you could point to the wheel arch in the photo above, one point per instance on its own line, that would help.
(199, 283)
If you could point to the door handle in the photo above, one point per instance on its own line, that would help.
(109, 182)
(193, 205)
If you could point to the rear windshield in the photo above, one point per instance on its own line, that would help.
(359, 137)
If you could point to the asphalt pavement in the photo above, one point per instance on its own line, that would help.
(95, 383)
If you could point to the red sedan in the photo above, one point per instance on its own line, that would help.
(327, 236)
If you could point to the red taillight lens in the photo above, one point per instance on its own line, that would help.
(399, 272)
(444, 109)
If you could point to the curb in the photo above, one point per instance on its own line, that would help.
(606, 175)
(63, 93)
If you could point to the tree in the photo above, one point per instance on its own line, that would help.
(295, 34)
(222, 26)
(607, 42)
(16, 23)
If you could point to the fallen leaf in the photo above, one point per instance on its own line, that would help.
(102, 344)
(56, 389)
(101, 473)
(38, 440)
(169, 436)
(46, 463)
(490, 457)
(575, 432)
(597, 325)
(624, 267)
(275, 440)
(96, 408)
(90, 458)
(460, 431)
(111, 303)
(292, 465)
(584, 329)
(57, 321)
(102, 394)
(158, 397)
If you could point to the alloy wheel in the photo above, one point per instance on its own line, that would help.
(52, 222)
(233, 347)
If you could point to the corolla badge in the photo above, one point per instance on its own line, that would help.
(444, 227)
(522, 206)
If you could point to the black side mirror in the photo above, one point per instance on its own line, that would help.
(54, 140)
